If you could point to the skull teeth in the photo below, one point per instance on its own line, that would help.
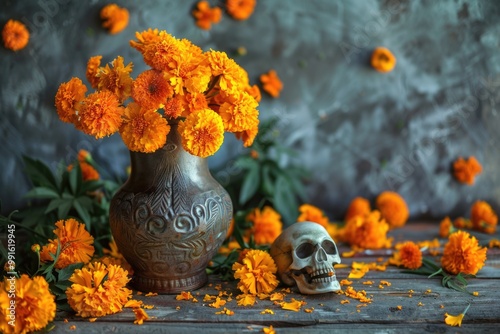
(323, 275)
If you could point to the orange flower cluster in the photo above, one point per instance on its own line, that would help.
(408, 255)
(89, 173)
(267, 225)
(358, 207)
(15, 35)
(206, 15)
(383, 60)
(36, 306)
(114, 18)
(393, 208)
(256, 273)
(446, 227)
(98, 290)
(462, 254)
(75, 242)
(314, 214)
(483, 217)
(466, 170)
(205, 93)
(240, 9)
(271, 83)
(369, 231)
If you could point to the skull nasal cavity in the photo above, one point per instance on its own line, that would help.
(321, 255)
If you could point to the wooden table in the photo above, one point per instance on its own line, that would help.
(423, 312)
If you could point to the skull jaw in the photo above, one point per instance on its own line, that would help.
(328, 284)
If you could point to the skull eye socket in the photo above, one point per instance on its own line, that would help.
(305, 250)
(329, 247)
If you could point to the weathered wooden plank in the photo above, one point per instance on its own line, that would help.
(421, 313)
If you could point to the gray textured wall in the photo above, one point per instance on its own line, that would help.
(359, 131)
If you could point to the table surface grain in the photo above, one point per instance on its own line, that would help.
(422, 312)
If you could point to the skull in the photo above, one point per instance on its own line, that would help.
(305, 255)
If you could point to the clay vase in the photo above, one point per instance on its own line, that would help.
(169, 218)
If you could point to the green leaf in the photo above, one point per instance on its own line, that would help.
(42, 192)
(64, 208)
(75, 178)
(267, 182)
(250, 184)
(83, 213)
(91, 185)
(284, 201)
(54, 204)
(65, 273)
(39, 174)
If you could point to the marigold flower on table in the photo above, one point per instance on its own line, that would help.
(383, 60)
(312, 213)
(271, 83)
(15, 35)
(462, 254)
(256, 273)
(206, 15)
(393, 208)
(483, 217)
(408, 255)
(359, 206)
(140, 316)
(114, 17)
(267, 225)
(466, 170)
(367, 232)
(75, 242)
(462, 223)
(35, 305)
(98, 290)
(240, 9)
(446, 227)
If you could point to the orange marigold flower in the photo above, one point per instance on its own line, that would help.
(231, 77)
(15, 35)
(100, 114)
(483, 217)
(143, 130)
(98, 290)
(93, 66)
(393, 208)
(256, 273)
(202, 133)
(114, 18)
(383, 60)
(89, 173)
(117, 79)
(247, 136)
(75, 242)
(462, 223)
(36, 306)
(466, 170)
(205, 15)
(462, 254)
(195, 102)
(174, 107)
(151, 90)
(254, 91)
(68, 99)
(358, 207)
(240, 9)
(367, 232)
(446, 228)
(410, 255)
(312, 213)
(271, 83)
(267, 225)
(84, 156)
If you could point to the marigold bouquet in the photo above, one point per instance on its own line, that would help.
(205, 93)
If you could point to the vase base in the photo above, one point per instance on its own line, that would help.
(169, 286)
